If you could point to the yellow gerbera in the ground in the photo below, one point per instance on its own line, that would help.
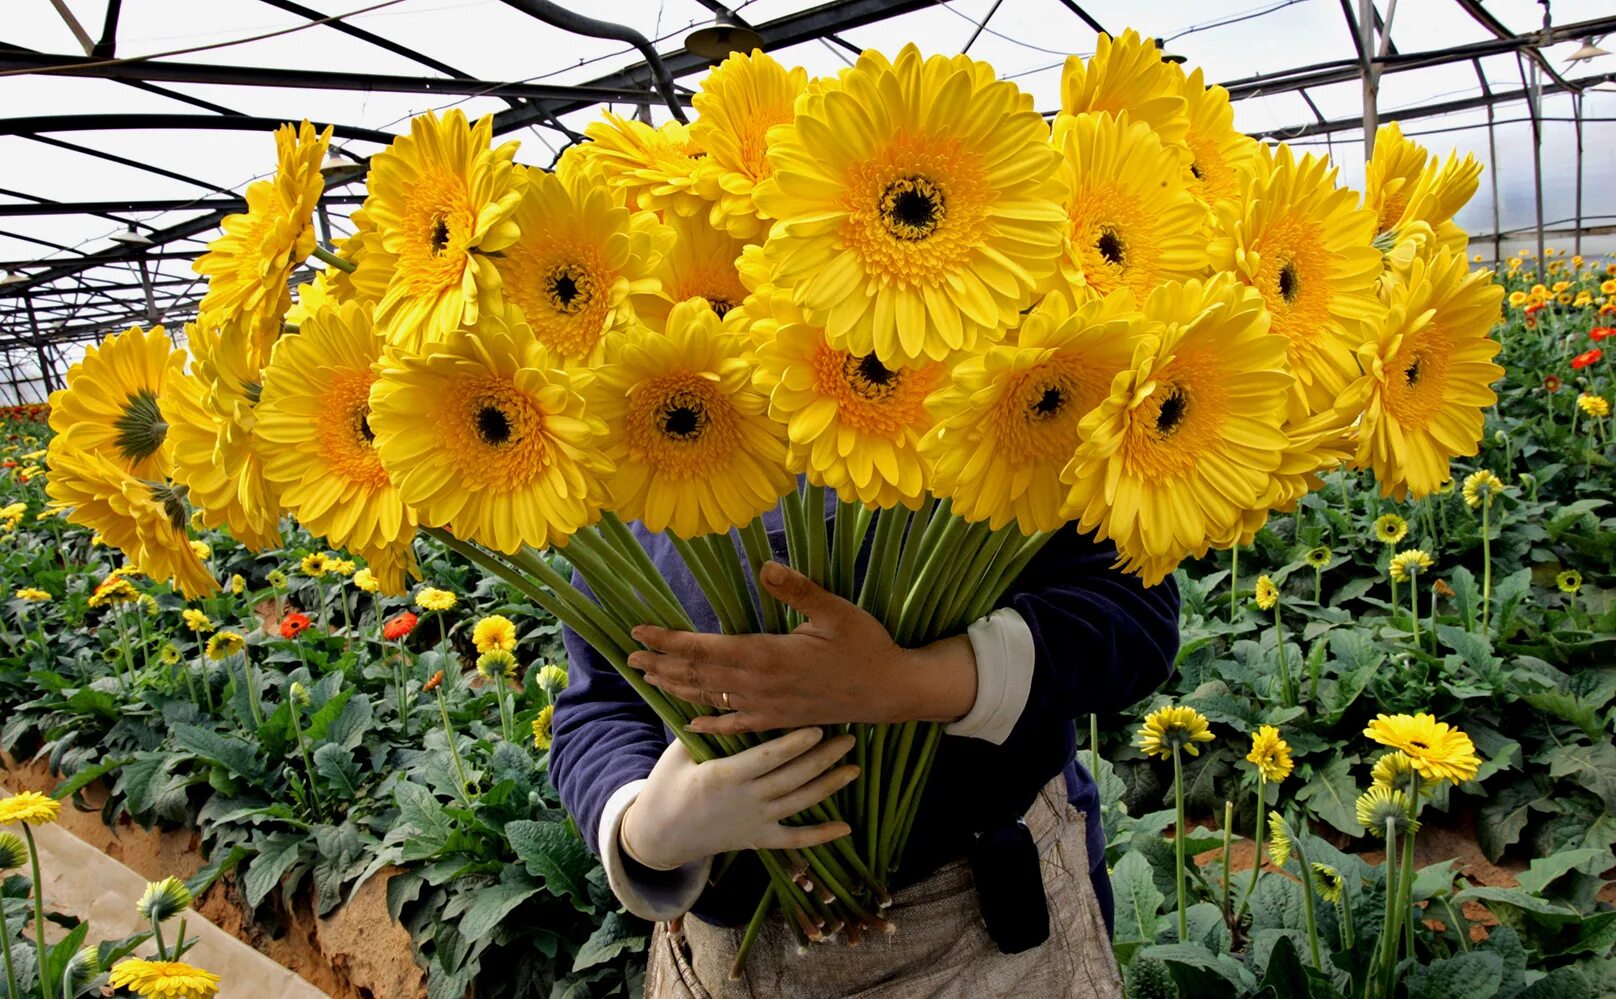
(739, 101)
(433, 599)
(1390, 528)
(581, 254)
(35, 595)
(1302, 242)
(249, 264)
(142, 518)
(918, 207)
(1267, 593)
(111, 399)
(1279, 841)
(30, 808)
(1169, 728)
(197, 620)
(314, 432)
(543, 725)
(1436, 749)
(441, 200)
(1133, 222)
(1396, 770)
(1007, 420)
(1427, 375)
(1408, 564)
(695, 450)
(1218, 152)
(163, 979)
(1270, 754)
(655, 168)
(1480, 487)
(701, 263)
(1127, 73)
(496, 631)
(1596, 406)
(485, 436)
(1568, 581)
(853, 423)
(1186, 440)
(1391, 174)
(1381, 805)
(225, 644)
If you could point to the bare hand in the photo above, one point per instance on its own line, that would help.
(839, 666)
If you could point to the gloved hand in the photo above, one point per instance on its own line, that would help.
(689, 811)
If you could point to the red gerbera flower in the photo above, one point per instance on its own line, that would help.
(1601, 332)
(1552, 383)
(399, 626)
(1532, 310)
(294, 624)
(1586, 358)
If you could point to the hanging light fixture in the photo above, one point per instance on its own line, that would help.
(1588, 50)
(337, 161)
(129, 237)
(12, 277)
(1161, 49)
(725, 35)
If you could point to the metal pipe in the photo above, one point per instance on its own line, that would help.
(1576, 114)
(561, 17)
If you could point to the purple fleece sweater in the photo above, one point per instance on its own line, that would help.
(1102, 640)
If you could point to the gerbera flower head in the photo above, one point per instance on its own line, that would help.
(1391, 174)
(249, 264)
(399, 626)
(1320, 557)
(318, 447)
(1127, 74)
(1270, 754)
(1186, 439)
(432, 599)
(1328, 882)
(701, 263)
(1436, 749)
(1381, 806)
(441, 199)
(1596, 406)
(1132, 221)
(294, 624)
(298, 694)
(146, 520)
(1304, 245)
(1007, 419)
(1409, 564)
(1267, 593)
(365, 580)
(276, 579)
(33, 594)
(197, 621)
(496, 664)
(13, 851)
(1219, 153)
(654, 168)
(1395, 769)
(225, 644)
(1480, 487)
(484, 435)
(917, 206)
(163, 900)
(1390, 528)
(433, 683)
(1279, 839)
(740, 100)
(30, 808)
(315, 565)
(579, 258)
(1569, 581)
(163, 979)
(169, 654)
(543, 723)
(1427, 375)
(110, 400)
(1169, 728)
(552, 679)
(695, 450)
(496, 631)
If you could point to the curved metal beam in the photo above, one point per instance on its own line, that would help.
(47, 123)
(561, 17)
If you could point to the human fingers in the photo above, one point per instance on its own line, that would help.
(780, 837)
(796, 590)
(811, 793)
(760, 759)
(726, 650)
(697, 683)
(795, 773)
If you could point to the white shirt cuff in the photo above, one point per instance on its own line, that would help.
(650, 894)
(1004, 660)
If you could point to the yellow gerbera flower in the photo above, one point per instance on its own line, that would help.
(581, 254)
(143, 519)
(739, 101)
(1267, 593)
(1396, 770)
(1219, 153)
(1169, 728)
(1185, 441)
(110, 400)
(1299, 240)
(1320, 557)
(225, 644)
(314, 428)
(203, 549)
(1127, 73)
(1133, 222)
(1279, 840)
(315, 564)
(433, 599)
(1596, 406)
(543, 723)
(30, 808)
(695, 451)
(249, 264)
(163, 900)
(1480, 487)
(33, 594)
(113, 590)
(700, 264)
(494, 632)
(1270, 754)
(552, 678)
(1380, 805)
(197, 621)
(1390, 528)
(1410, 563)
(1427, 375)
(1393, 170)
(497, 664)
(1569, 581)
(918, 207)
(854, 424)
(1435, 748)
(1426, 222)
(484, 436)
(1007, 420)
(441, 200)
(163, 979)
(655, 168)
(1328, 882)
(366, 580)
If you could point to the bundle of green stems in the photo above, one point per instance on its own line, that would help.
(928, 575)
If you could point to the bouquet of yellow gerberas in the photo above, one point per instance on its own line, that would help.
(900, 285)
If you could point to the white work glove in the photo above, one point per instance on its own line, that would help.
(689, 811)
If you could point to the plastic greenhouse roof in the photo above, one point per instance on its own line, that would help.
(158, 144)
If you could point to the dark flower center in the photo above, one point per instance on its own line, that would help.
(1110, 246)
(440, 235)
(1049, 404)
(1288, 283)
(868, 377)
(912, 208)
(1195, 169)
(569, 288)
(1418, 743)
(720, 307)
(1411, 374)
(361, 425)
(683, 417)
(493, 426)
(1171, 415)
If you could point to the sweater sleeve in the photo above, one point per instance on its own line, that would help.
(1100, 638)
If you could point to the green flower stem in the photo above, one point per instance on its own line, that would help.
(912, 809)
(615, 587)
(813, 513)
(1391, 550)
(330, 259)
(616, 538)
(1178, 847)
(753, 928)
(1228, 842)
(941, 568)
(157, 938)
(1387, 945)
(1318, 584)
(726, 560)
(190, 686)
(319, 591)
(889, 526)
(1285, 683)
(507, 726)
(5, 951)
(399, 689)
(1307, 898)
(1094, 746)
(1414, 604)
(893, 794)
(303, 750)
(46, 986)
(252, 691)
(1486, 563)
(843, 553)
(755, 539)
(614, 555)
(347, 619)
(179, 949)
(454, 748)
(992, 546)
(1234, 579)
(915, 544)
(993, 587)
(207, 682)
(1257, 842)
(1406, 882)
(711, 587)
(872, 800)
(123, 647)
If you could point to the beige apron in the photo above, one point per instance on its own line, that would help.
(941, 947)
